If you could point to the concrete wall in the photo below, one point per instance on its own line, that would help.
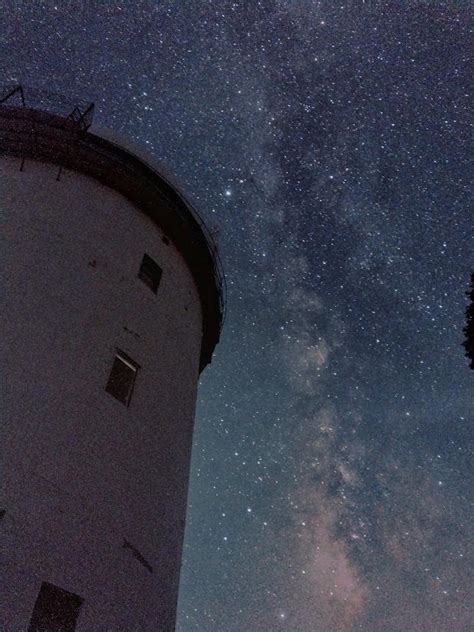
(83, 472)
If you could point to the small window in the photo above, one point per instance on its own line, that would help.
(56, 610)
(150, 273)
(122, 378)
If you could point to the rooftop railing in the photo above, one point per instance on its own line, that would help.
(79, 111)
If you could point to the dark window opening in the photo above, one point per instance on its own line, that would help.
(165, 240)
(55, 610)
(150, 273)
(122, 378)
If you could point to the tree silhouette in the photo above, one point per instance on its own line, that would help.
(469, 328)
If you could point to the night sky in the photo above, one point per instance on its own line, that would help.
(325, 144)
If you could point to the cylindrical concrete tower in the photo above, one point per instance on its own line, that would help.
(112, 305)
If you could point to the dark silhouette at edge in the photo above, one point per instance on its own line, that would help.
(468, 330)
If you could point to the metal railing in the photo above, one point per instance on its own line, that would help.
(79, 111)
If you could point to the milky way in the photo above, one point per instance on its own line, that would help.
(325, 143)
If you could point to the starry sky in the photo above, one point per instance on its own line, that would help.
(325, 143)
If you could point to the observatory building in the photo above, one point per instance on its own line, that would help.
(112, 306)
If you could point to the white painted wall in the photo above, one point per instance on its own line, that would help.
(81, 471)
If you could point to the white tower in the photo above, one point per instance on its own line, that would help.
(112, 305)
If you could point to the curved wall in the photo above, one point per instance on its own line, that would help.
(95, 490)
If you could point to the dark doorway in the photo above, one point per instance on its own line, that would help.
(56, 610)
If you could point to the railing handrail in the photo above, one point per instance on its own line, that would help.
(52, 102)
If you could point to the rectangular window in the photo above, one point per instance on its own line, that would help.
(150, 273)
(55, 610)
(122, 378)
